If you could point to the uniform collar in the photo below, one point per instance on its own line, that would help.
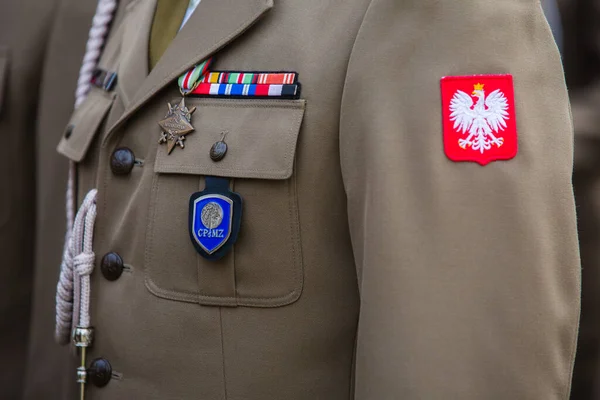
(213, 25)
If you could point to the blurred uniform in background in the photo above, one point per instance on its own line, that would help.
(581, 57)
(552, 13)
(49, 373)
(24, 27)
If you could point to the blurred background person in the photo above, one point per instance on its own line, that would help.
(581, 57)
(553, 16)
(50, 371)
(24, 27)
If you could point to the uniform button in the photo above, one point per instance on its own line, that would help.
(69, 131)
(100, 372)
(122, 161)
(218, 150)
(111, 266)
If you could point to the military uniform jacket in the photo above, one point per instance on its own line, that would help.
(49, 373)
(368, 265)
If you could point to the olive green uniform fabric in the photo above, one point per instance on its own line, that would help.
(582, 66)
(368, 265)
(24, 25)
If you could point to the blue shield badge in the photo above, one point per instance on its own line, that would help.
(215, 215)
(211, 221)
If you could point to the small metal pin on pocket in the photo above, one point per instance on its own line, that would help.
(219, 149)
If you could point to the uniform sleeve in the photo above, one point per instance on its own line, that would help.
(469, 275)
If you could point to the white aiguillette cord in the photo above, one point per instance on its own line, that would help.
(73, 290)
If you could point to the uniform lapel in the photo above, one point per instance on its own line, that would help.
(213, 25)
(133, 69)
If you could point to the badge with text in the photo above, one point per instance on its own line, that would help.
(479, 118)
(215, 218)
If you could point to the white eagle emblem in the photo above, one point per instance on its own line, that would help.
(483, 121)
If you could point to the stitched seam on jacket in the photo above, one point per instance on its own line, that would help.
(295, 236)
(189, 297)
(223, 352)
(360, 29)
(352, 383)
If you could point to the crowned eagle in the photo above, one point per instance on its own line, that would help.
(482, 120)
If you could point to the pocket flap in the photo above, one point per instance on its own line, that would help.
(261, 139)
(84, 124)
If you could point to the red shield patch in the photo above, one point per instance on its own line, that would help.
(479, 118)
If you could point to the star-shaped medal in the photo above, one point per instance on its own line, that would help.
(176, 125)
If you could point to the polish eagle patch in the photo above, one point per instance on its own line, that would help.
(479, 118)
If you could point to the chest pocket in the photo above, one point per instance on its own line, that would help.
(264, 268)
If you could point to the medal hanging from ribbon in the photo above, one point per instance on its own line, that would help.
(178, 121)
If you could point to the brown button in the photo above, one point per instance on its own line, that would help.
(111, 266)
(122, 161)
(100, 372)
(69, 131)
(218, 151)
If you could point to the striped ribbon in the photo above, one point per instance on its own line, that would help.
(246, 90)
(200, 81)
(188, 81)
(261, 78)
